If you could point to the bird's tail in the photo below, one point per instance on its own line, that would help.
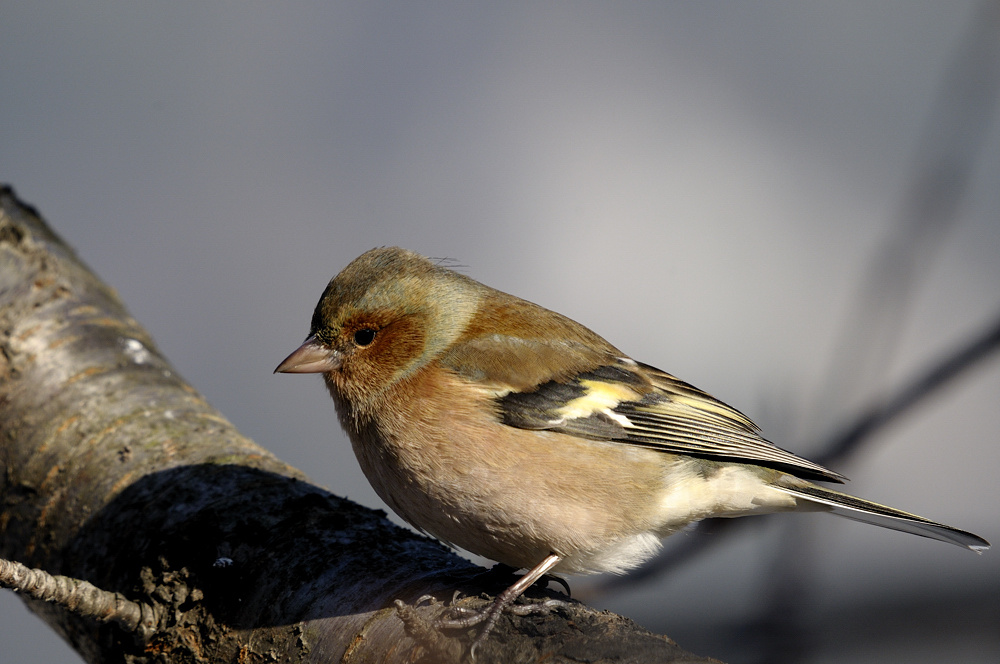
(866, 511)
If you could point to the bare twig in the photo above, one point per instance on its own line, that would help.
(80, 597)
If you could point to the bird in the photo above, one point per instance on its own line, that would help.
(513, 432)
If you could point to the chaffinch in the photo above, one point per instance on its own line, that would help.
(520, 435)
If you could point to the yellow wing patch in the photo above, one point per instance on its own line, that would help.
(599, 397)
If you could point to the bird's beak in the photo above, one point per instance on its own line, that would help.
(311, 357)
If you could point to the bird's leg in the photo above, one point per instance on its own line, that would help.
(491, 614)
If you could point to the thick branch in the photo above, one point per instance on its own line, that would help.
(120, 475)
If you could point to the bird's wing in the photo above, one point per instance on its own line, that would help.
(636, 404)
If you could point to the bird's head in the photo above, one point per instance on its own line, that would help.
(386, 315)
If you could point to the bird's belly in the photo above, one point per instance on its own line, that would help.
(506, 498)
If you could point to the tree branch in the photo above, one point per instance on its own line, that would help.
(940, 375)
(120, 476)
(80, 597)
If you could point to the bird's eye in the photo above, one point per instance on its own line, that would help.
(364, 336)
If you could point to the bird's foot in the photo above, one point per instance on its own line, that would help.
(464, 617)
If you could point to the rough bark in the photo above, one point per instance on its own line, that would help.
(118, 473)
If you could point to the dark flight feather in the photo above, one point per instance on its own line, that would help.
(664, 414)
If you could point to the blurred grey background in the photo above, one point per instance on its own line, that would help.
(705, 184)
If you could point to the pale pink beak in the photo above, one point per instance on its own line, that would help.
(311, 357)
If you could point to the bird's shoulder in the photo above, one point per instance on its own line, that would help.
(512, 345)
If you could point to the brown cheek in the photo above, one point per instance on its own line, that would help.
(394, 349)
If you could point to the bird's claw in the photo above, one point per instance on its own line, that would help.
(461, 618)
(537, 608)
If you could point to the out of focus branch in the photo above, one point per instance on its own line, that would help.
(949, 149)
(945, 159)
(912, 394)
